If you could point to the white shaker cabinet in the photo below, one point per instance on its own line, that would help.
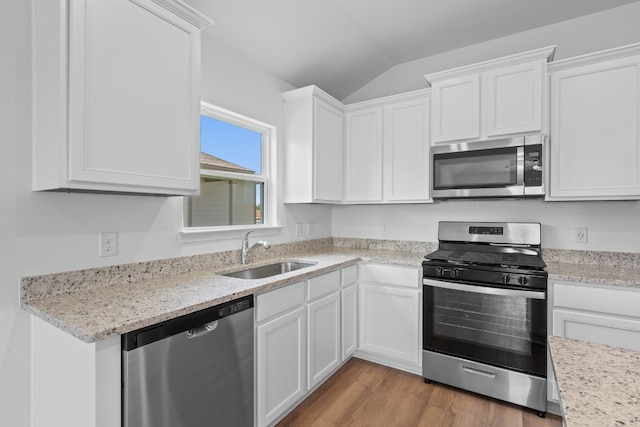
(389, 316)
(406, 150)
(324, 330)
(313, 147)
(491, 99)
(594, 144)
(116, 90)
(455, 109)
(363, 181)
(387, 149)
(349, 309)
(281, 346)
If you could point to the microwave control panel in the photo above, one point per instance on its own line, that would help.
(533, 165)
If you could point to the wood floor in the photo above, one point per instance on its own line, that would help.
(362, 393)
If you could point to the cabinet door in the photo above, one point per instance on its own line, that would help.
(595, 131)
(455, 111)
(406, 151)
(364, 155)
(323, 338)
(133, 118)
(327, 153)
(514, 98)
(281, 359)
(349, 307)
(599, 328)
(389, 321)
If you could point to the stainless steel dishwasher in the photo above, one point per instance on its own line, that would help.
(192, 371)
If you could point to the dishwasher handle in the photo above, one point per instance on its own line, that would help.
(202, 330)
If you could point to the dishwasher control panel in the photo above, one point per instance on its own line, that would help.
(233, 308)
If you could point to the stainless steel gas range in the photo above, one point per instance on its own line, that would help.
(485, 311)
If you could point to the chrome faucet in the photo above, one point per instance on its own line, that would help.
(246, 248)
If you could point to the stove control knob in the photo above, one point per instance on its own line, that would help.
(523, 280)
(505, 278)
(439, 271)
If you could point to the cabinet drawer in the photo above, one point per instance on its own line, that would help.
(622, 302)
(323, 285)
(349, 275)
(279, 300)
(390, 274)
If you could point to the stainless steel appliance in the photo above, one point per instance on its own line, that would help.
(485, 311)
(499, 168)
(192, 371)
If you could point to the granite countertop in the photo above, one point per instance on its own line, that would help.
(98, 312)
(598, 274)
(99, 303)
(599, 385)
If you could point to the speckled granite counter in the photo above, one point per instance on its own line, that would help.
(597, 274)
(597, 267)
(94, 304)
(599, 385)
(86, 305)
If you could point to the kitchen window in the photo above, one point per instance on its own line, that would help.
(235, 154)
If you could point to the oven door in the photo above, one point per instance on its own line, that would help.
(496, 326)
(487, 169)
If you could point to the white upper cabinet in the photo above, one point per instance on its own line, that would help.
(364, 155)
(456, 109)
(117, 96)
(514, 98)
(406, 150)
(491, 99)
(594, 144)
(313, 146)
(387, 149)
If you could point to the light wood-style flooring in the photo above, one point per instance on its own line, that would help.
(362, 393)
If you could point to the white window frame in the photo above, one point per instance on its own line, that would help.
(267, 177)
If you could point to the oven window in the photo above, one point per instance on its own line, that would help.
(476, 169)
(504, 331)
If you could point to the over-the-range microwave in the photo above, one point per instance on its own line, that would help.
(499, 168)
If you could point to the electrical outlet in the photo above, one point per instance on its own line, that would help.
(581, 234)
(298, 229)
(108, 244)
(385, 228)
(309, 228)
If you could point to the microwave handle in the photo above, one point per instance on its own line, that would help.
(484, 289)
(520, 166)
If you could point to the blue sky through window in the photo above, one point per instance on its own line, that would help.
(232, 143)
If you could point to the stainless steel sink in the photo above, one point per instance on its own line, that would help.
(269, 270)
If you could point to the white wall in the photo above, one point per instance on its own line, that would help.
(611, 226)
(51, 232)
(591, 33)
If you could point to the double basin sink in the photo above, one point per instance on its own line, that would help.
(269, 270)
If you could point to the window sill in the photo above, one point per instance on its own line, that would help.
(205, 234)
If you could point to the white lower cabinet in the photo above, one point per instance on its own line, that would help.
(323, 317)
(349, 316)
(389, 318)
(299, 336)
(596, 313)
(323, 338)
(281, 347)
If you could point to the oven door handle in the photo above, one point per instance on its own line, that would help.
(485, 289)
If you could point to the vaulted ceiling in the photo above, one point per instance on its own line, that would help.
(341, 45)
